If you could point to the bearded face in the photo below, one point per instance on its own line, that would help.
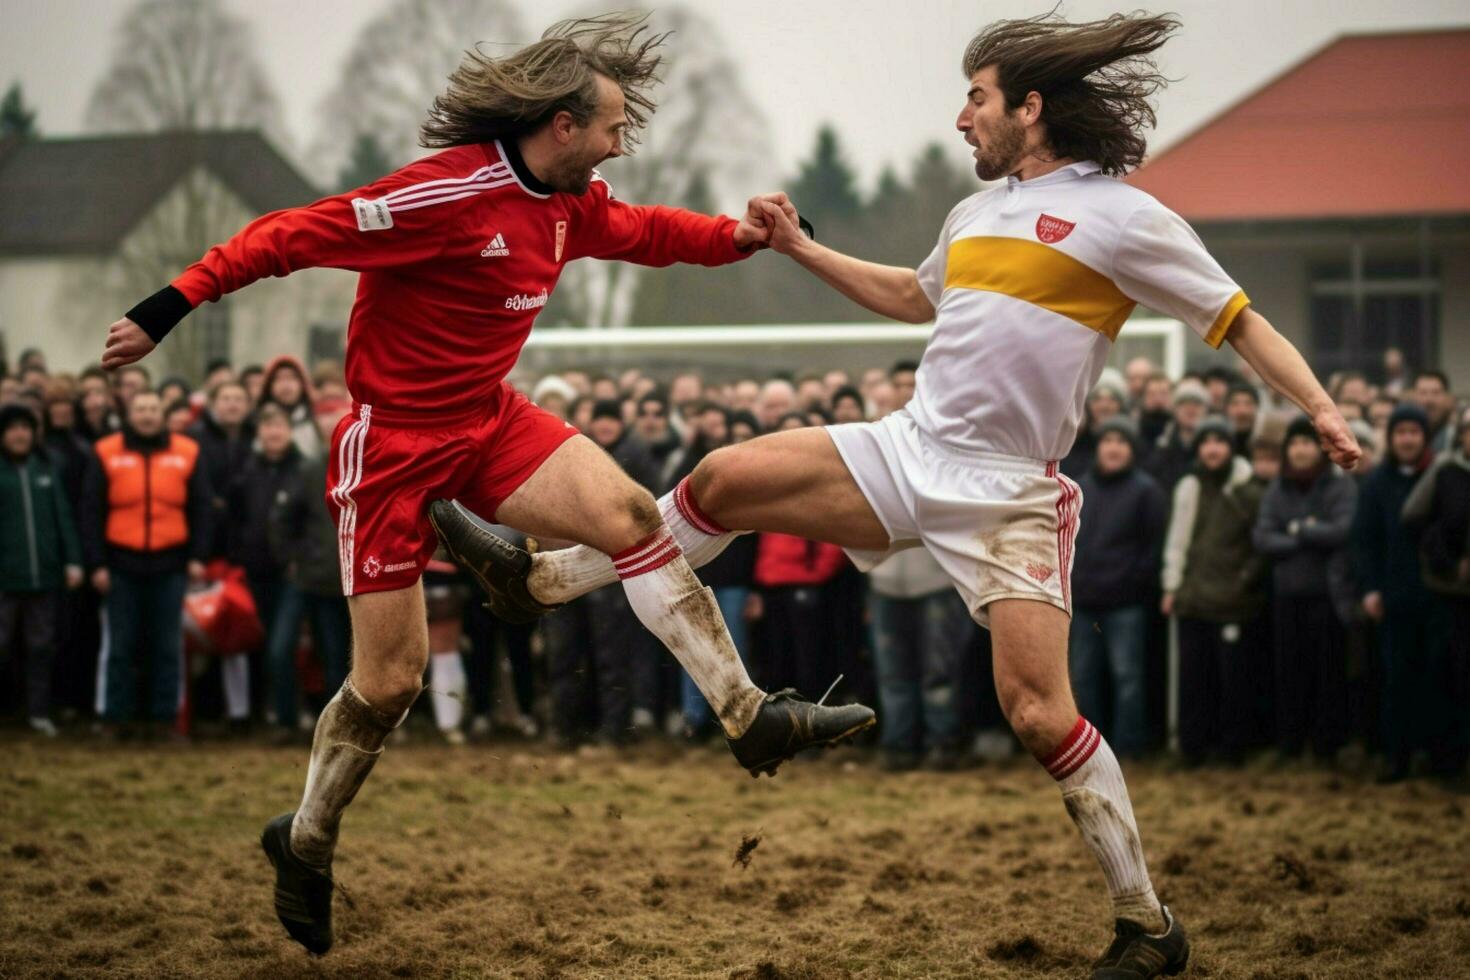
(998, 151)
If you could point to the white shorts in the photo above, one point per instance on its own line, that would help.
(1001, 527)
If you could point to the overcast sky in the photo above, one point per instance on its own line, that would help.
(885, 72)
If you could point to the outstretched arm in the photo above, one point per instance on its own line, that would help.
(885, 289)
(392, 222)
(1282, 367)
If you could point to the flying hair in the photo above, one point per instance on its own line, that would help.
(1095, 79)
(492, 98)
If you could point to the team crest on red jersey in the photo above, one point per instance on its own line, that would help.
(1052, 230)
(561, 239)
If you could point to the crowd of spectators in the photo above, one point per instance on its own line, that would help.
(1311, 613)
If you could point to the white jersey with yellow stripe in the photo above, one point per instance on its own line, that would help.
(1031, 283)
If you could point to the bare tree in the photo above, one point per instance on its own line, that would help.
(399, 62)
(707, 129)
(184, 65)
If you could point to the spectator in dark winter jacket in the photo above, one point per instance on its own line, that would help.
(1106, 400)
(303, 542)
(1172, 454)
(39, 558)
(1440, 504)
(790, 572)
(1153, 413)
(1212, 583)
(1306, 517)
(267, 479)
(662, 439)
(921, 630)
(1242, 406)
(1411, 638)
(1117, 561)
(224, 432)
(600, 661)
(145, 534)
(79, 623)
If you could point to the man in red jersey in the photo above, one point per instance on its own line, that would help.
(458, 252)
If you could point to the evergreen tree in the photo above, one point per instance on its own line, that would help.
(16, 119)
(825, 188)
(367, 163)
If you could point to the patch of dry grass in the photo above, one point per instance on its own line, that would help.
(508, 862)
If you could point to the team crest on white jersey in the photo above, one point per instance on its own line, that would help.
(496, 248)
(1052, 230)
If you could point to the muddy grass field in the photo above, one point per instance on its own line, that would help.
(504, 861)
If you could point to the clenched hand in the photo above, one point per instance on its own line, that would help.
(126, 343)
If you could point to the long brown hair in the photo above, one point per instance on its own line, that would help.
(494, 98)
(1095, 79)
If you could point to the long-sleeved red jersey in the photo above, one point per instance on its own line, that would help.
(458, 253)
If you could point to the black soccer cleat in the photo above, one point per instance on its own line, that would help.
(500, 568)
(1135, 955)
(788, 723)
(303, 894)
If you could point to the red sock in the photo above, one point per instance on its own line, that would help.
(653, 552)
(1074, 750)
(689, 509)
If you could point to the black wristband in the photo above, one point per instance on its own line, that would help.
(160, 313)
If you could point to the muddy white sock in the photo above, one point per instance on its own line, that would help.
(1097, 800)
(447, 689)
(668, 599)
(561, 576)
(349, 738)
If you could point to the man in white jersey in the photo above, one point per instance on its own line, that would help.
(1029, 284)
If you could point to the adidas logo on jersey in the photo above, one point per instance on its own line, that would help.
(495, 248)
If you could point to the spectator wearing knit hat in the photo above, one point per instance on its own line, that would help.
(1107, 399)
(1172, 455)
(1242, 406)
(1212, 584)
(1117, 561)
(1409, 618)
(1305, 520)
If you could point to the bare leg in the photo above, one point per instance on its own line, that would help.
(794, 482)
(1030, 643)
(580, 494)
(788, 482)
(390, 649)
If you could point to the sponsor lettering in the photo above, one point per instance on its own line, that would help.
(525, 301)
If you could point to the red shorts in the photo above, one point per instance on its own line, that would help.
(386, 468)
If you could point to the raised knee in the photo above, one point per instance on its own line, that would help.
(642, 511)
(390, 688)
(395, 693)
(712, 482)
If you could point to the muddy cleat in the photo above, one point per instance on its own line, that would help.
(303, 894)
(1135, 955)
(499, 567)
(788, 723)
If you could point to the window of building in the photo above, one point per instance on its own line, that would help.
(1362, 307)
(211, 322)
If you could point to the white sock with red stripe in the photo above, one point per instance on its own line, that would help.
(1097, 799)
(561, 576)
(669, 600)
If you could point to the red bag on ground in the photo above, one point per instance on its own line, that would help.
(220, 619)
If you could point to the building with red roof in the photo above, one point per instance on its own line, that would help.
(1338, 196)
